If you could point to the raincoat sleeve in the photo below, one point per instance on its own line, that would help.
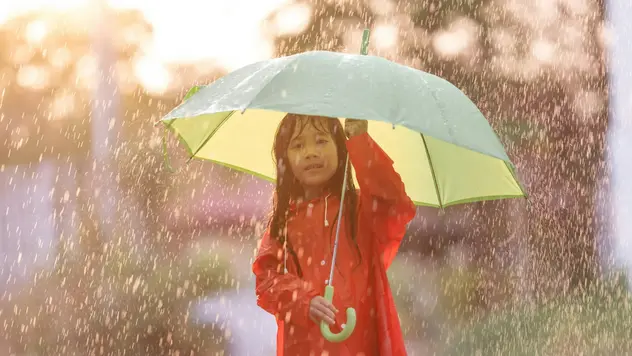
(383, 199)
(284, 295)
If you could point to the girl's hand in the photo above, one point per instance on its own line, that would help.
(354, 127)
(321, 310)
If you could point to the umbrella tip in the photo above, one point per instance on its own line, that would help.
(366, 34)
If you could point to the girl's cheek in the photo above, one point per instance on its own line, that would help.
(333, 156)
(296, 160)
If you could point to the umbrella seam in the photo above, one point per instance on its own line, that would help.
(432, 170)
(511, 169)
(186, 97)
(441, 108)
(211, 135)
(272, 77)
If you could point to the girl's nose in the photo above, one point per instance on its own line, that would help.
(311, 152)
(309, 155)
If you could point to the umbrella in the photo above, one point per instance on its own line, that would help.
(441, 144)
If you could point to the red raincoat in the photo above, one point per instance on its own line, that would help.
(360, 282)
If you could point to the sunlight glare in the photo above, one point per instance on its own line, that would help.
(456, 39)
(189, 30)
(385, 36)
(153, 75)
(293, 19)
(11, 9)
(543, 50)
(36, 31)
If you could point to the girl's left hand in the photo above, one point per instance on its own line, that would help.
(354, 127)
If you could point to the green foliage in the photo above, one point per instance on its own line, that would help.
(402, 279)
(119, 303)
(431, 300)
(596, 321)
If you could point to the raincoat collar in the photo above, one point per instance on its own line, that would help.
(298, 204)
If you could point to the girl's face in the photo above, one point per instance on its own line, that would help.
(312, 154)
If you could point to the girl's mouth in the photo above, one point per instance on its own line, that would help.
(313, 166)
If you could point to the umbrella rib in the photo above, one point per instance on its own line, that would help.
(268, 81)
(512, 170)
(432, 170)
(211, 135)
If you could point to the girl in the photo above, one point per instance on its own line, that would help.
(292, 264)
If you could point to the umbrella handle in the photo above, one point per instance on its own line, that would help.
(347, 330)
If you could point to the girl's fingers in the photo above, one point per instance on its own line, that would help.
(330, 306)
(324, 310)
(321, 312)
(320, 316)
(329, 320)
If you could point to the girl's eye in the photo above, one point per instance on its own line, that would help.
(321, 141)
(297, 146)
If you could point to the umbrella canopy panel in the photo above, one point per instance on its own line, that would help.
(436, 173)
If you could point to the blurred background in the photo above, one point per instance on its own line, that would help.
(103, 251)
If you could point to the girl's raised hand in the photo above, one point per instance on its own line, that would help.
(354, 127)
(321, 310)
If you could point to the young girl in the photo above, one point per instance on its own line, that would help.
(293, 262)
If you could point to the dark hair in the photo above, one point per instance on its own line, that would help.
(288, 188)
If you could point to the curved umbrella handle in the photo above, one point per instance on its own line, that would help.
(347, 330)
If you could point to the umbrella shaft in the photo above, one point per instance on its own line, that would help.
(330, 281)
